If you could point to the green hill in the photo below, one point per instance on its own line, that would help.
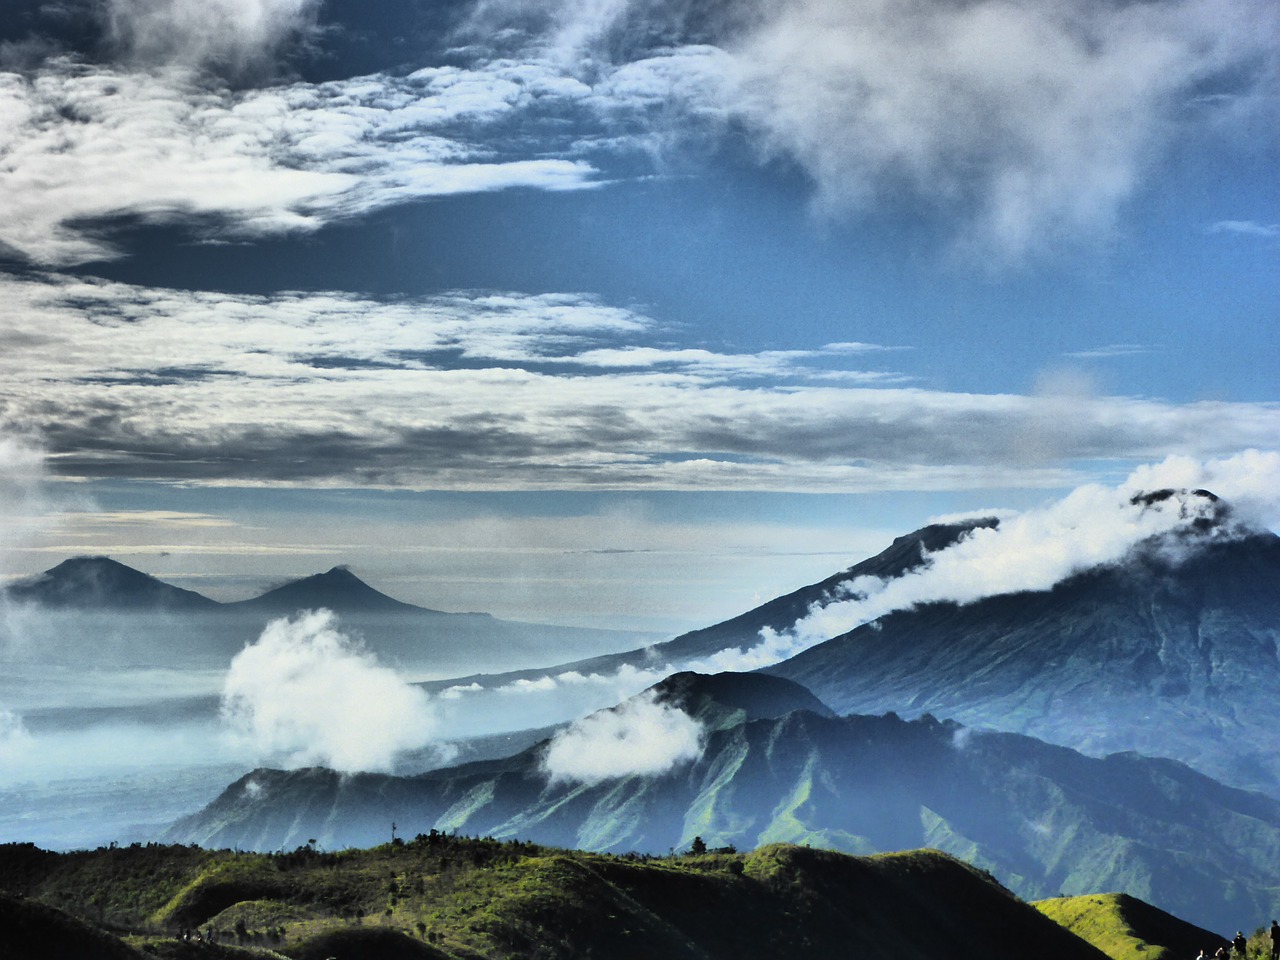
(1126, 928)
(444, 897)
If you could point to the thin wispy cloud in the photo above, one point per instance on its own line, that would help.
(1247, 228)
(228, 37)
(1110, 351)
(1026, 125)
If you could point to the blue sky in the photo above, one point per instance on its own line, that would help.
(634, 312)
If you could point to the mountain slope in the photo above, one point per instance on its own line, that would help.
(1173, 659)
(904, 554)
(479, 899)
(1126, 928)
(36, 931)
(1046, 820)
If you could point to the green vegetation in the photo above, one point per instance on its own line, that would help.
(453, 898)
(1125, 928)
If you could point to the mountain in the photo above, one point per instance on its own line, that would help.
(906, 553)
(449, 898)
(100, 583)
(1046, 820)
(338, 589)
(1170, 653)
(727, 699)
(97, 610)
(1126, 928)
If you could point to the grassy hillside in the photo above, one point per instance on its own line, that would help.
(1126, 928)
(446, 897)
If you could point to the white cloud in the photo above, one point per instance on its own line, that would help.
(85, 143)
(1110, 351)
(1247, 228)
(304, 693)
(1249, 481)
(1029, 123)
(1036, 121)
(640, 737)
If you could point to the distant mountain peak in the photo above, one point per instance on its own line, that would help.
(337, 589)
(98, 582)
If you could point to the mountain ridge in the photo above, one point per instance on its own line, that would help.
(440, 897)
(1152, 655)
(1046, 820)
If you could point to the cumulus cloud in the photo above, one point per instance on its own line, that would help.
(305, 693)
(1093, 526)
(640, 737)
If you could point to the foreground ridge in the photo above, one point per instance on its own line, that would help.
(439, 896)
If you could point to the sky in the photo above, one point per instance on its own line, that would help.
(624, 313)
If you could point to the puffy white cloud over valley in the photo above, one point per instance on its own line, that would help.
(305, 693)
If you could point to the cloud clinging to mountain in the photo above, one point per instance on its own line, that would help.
(640, 737)
(1092, 526)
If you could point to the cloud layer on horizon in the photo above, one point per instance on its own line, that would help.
(510, 391)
